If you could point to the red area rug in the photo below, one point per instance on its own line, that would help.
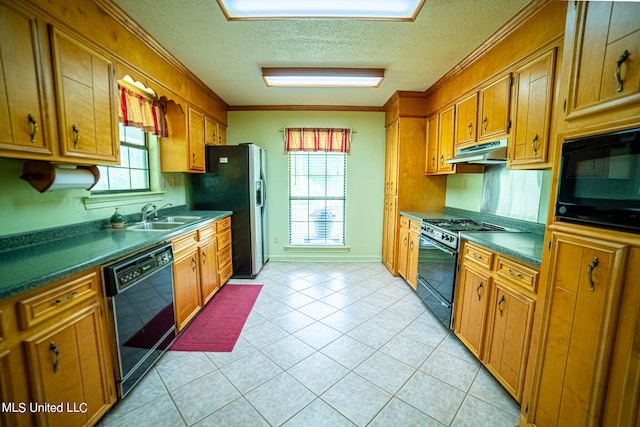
(218, 326)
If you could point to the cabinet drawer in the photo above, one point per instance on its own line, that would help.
(478, 255)
(206, 232)
(404, 221)
(223, 224)
(224, 256)
(517, 273)
(45, 305)
(414, 226)
(224, 239)
(184, 244)
(225, 273)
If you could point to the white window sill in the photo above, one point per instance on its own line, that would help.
(318, 248)
(100, 201)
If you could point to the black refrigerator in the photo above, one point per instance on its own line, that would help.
(235, 181)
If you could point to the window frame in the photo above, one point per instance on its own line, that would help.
(323, 230)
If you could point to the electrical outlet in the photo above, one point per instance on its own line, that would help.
(276, 239)
(464, 184)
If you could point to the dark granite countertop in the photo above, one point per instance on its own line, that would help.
(525, 247)
(31, 266)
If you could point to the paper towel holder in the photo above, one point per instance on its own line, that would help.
(42, 175)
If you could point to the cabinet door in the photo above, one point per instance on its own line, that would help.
(86, 92)
(389, 232)
(509, 330)
(210, 131)
(431, 162)
(532, 111)
(412, 260)
(391, 158)
(67, 364)
(466, 116)
(585, 277)
(186, 289)
(472, 296)
(446, 140)
(605, 71)
(21, 85)
(196, 140)
(403, 251)
(494, 109)
(208, 271)
(222, 134)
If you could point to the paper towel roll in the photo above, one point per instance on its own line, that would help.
(44, 176)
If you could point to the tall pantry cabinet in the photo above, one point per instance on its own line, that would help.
(406, 188)
(585, 363)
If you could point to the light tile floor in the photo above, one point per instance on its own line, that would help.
(327, 344)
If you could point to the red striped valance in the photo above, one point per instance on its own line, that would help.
(142, 112)
(317, 139)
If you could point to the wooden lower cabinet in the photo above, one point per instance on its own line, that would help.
(509, 331)
(494, 313)
(585, 285)
(202, 264)
(408, 249)
(63, 360)
(471, 306)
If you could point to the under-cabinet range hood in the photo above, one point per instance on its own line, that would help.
(486, 153)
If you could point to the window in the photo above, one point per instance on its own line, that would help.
(317, 198)
(132, 175)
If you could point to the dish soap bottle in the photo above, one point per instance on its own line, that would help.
(116, 220)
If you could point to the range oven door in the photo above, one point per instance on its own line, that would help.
(436, 278)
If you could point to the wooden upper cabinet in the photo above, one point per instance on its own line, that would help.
(196, 140)
(603, 44)
(431, 160)
(446, 140)
(86, 100)
(466, 116)
(22, 85)
(493, 119)
(215, 132)
(534, 84)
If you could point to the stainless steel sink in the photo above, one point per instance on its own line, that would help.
(183, 218)
(155, 225)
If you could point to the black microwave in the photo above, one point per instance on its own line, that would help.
(599, 181)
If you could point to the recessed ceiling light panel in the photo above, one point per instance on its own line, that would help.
(398, 10)
(323, 77)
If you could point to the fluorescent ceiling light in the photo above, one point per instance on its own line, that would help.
(397, 10)
(323, 77)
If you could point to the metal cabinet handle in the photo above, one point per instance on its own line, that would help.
(71, 296)
(194, 264)
(442, 160)
(433, 161)
(485, 121)
(76, 135)
(56, 355)
(476, 256)
(204, 257)
(616, 71)
(470, 128)
(500, 301)
(534, 145)
(34, 128)
(411, 246)
(194, 157)
(592, 266)
(478, 291)
(513, 273)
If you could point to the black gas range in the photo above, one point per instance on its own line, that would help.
(437, 262)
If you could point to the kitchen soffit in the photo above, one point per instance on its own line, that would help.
(228, 55)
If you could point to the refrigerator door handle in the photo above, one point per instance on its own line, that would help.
(259, 193)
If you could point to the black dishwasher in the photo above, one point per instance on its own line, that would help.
(141, 291)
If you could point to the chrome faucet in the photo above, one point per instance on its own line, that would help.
(144, 211)
(155, 210)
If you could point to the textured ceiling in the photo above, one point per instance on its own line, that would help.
(228, 56)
